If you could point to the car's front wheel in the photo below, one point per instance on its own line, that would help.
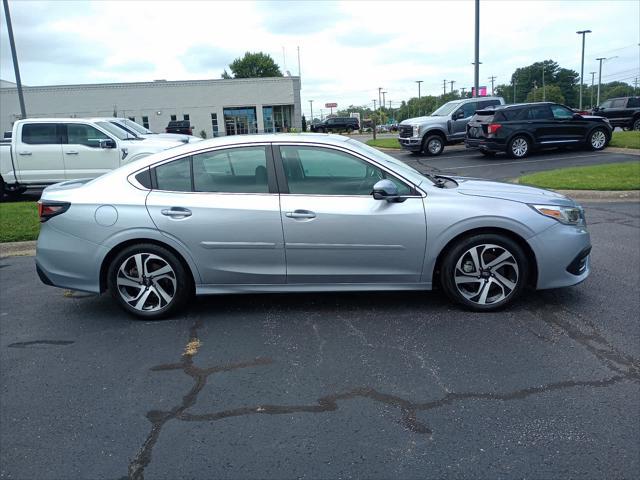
(636, 124)
(484, 272)
(597, 139)
(519, 147)
(433, 145)
(149, 281)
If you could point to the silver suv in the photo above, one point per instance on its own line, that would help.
(446, 126)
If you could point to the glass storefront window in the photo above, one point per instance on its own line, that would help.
(240, 120)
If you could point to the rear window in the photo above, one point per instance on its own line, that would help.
(40, 134)
(634, 102)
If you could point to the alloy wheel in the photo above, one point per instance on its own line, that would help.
(598, 139)
(519, 147)
(146, 282)
(636, 124)
(434, 146)
(486, 274)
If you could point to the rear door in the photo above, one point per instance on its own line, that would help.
(335, 231)
(541, 123)
(82, 154)
(223, 205)
(38, 153)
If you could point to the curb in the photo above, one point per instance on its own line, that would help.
(18, 249)
(629, 151)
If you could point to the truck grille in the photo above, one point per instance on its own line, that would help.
(405, 131)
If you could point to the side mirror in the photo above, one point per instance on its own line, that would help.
(458, 115)
(108, 143)
(386, 190)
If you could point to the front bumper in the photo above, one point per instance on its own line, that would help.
(563, 255)
(412, 144)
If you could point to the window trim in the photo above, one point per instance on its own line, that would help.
(57, 127)
(284, 185)
(65, 133)
(271, 173)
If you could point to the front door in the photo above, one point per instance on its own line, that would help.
(224, 207)
(460, 118)
(568, 129)
(334, 230)
(82, 155)
(38, 153)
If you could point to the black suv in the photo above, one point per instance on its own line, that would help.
(517, 129)
(621, 112)
(337, 124)
(179, 126)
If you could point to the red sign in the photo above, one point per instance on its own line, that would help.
(482, 92)
(330, 105)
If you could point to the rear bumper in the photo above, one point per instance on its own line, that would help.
(412, 144)
(488, 145)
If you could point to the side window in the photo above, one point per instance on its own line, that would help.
(235, 170)
(634, 102)
(619, 103)
(606, 104)
(40, 134)
(320, 171)
(469, 109)
(174, 176)
(561, 113)
(540, 113)
(81, 134)
(487, 103)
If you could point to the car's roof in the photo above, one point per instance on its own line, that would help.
(518, 105)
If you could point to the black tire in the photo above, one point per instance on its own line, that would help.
(598, 139)
(150, 253)
(519, 147)
(487, 153)
(494, 246)
(433, 145)
(636, 124)
(349, 130)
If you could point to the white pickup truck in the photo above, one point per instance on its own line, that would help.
(43, 151)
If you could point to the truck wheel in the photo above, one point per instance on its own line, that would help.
(433, 145)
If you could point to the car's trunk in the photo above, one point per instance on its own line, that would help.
(478, 125)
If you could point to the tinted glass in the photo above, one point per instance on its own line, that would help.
(469, 109)
(80, 134)
(561, 113)
(39, 133)
(319, 171)
(606, 104)
(175, 176)
(236, 170)
(488, 103)
(540, 113)
(619, 103)
(144, 178)
(633, 102)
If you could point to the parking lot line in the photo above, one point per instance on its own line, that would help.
(494, 164)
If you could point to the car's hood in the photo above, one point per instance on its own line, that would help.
(510, 191)
(422, 120)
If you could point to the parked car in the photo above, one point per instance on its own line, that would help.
(337, 124)
(302, 213)
(520, 128)
(43, 151)
(179, 126)
(138, 130)
(621, 112)
(446, 126)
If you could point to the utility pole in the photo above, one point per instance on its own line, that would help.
(452, 82)
(14, 55)
(374, 104)
(418, 82)
(311, 104)
(379, 97)
(599, 78)
(492, 78)
(535, 88)
(374, 118)
(321, 114)
(515, 84)
(384, 100)
(544, 88)
(444, 87)
(476, 74)
(582, 32)
(593, 74)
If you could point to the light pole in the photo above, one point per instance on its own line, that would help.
(582, 32)
(476, 63)
(601, 59)
(493, 79)
(379, 97)
(14, 56)
(384, 100)
(593, 74)
(311, 104)
(418, 82)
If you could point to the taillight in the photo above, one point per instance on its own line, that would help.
(47, 209)
(493, 128)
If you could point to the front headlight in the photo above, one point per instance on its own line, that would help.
(416, 130)
(566, 215)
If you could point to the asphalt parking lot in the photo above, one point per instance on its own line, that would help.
(385, 385)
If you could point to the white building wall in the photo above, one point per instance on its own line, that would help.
(157, 100)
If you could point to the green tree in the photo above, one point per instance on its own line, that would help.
(552, 94)
(253, 65)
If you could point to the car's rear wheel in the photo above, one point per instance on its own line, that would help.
(597, 139)
(484, 272)
(349, 130)
(433, 145)
(149, 281)
(636, 124)
(519, 147)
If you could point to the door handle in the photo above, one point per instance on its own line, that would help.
(71, 152)
(176, 212)
(25, 153)
(300, 214)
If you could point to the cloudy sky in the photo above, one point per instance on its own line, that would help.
(348, 49)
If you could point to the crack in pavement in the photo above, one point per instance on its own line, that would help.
(627, 368)
(40, 342)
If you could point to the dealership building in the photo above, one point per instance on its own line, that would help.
(217, 107)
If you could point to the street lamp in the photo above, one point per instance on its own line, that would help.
(384, 100)
(593, 74)
(582, 32)
(419, 82)
(601, 59)
(379, 97)
(311, 104)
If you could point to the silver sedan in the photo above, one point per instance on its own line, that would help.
(302, 213)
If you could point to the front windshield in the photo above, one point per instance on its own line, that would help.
(445, 109)
(136, 127)
(116, 131)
